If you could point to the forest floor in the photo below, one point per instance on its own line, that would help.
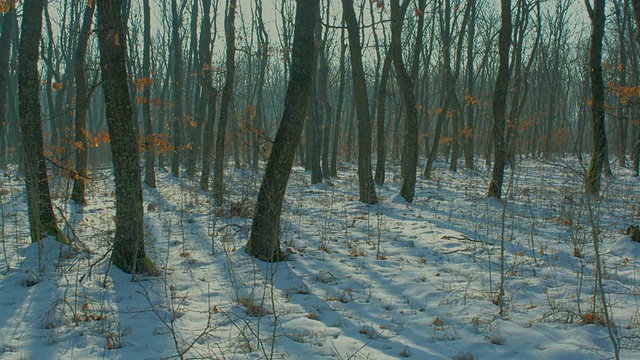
(362, 281)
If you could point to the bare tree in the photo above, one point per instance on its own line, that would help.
(365, 178)
(128, 252)
(209, 92)
(264, 240)
(5, 50)
(42, 220)
(225, 105)
(500, 101)
(178, 88)
(598, 155)
(149, 147)
(83, 97)
(410, 147)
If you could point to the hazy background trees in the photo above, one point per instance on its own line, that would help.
(423, 91)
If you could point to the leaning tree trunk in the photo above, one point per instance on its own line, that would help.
(128, 252)
(42, 220)
(82, 107)
(264, 241)
(410, 147)
(500, 102)
(227, 92)
(598, 155)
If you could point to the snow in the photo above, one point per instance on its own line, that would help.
(382, 281)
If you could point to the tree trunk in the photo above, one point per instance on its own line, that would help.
(500, 102)
(339, 107)
(42, 220)
(209, 94)
(636, 151)
(176, 123)
(128, 252)
(264, 240)
(227, 92)
(365, 178)
(5, 50)
(83, 98)
(411, 129)
(598, 155)
(381, 142)
(149, 146)
(194, 128)
(263, 49)
(469, 132)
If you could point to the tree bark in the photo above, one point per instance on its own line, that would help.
(598, 155)
(381, 142)
(264, 240)
(5, 50)
(365, 178)
(209, 94)
(178, 115)
(339, 107)
(410, 147)
(149, 146)
(500, 102)
(42, 220)
(469, 132)
(227, 93)
(128, 252)
(83, 98)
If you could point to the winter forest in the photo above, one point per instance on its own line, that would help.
(311, 179)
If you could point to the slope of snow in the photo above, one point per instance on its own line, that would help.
(382, 281)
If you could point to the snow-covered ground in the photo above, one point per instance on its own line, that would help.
(385, 281)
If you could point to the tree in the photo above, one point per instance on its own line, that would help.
(468, 137)
(82, 106)
(176, 123)
(42, 220)
(333, 171)
(264, 240)
(149, 150)
(225, 104)
(500, 102)
(635, 4)
(410, 147)
(208, 95)
(365, 179)
(128, 252)
(5, 47)
(598, 154)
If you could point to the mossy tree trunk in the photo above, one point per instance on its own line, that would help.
(42, 220)
(598, 155)
(264, 240)
(128, 246)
